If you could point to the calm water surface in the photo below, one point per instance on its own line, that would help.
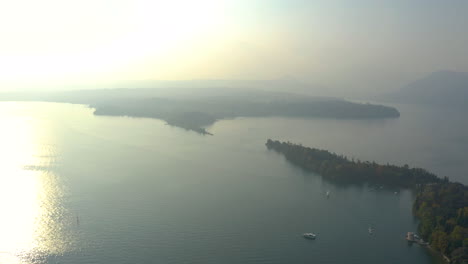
(76, 188)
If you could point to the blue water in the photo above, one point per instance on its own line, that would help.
(127, 190)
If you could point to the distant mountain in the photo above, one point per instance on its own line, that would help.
(442, 88)
(289, 85)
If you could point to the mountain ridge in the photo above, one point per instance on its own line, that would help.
(440, 88)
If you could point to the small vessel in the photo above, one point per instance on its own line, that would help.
(328, 194)
(309, 235)
(371, 230)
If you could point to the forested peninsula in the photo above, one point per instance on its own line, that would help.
(194, 114)
(440, 205)
(195, 109)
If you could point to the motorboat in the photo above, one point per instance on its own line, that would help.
(309, 235)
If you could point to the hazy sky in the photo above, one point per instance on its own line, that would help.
(347, 45)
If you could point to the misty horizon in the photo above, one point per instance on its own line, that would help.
(339, 49)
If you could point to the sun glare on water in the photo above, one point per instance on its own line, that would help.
(30, 222)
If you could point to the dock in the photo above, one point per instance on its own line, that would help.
(414, 238)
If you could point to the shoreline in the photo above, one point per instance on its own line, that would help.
(433, 192)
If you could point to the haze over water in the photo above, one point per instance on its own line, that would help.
(78, 188)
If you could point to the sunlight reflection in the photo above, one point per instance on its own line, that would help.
(30, 223)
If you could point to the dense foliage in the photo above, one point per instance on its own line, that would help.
(442, 206)
(443, 211)
(340, 168)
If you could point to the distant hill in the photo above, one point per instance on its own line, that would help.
(442, 88)
(196, 108)
(285, 85)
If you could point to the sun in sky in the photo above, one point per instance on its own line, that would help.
(53, 40)
(357, 45)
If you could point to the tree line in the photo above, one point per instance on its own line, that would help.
(340, 168)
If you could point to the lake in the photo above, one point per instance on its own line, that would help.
(79, 188)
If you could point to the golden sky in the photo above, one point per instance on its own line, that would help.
(362, 44)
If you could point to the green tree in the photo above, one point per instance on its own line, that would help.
(440, 241)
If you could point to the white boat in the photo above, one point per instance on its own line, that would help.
(371, 230)
(309, 235)
(328, 193)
